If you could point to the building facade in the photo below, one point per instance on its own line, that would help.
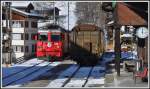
(24, 27)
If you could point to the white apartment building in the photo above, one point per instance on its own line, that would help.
(24, 27)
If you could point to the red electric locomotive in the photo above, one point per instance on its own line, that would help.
(52, 42)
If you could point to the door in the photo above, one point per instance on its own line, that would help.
(88, 46)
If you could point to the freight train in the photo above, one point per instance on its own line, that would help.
(86, 44)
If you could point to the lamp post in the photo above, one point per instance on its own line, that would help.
(68, 26)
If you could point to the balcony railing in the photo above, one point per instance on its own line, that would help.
(18, 23)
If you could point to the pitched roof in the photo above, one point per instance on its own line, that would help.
(86, 27)
(127, 16)
(25, 13)
(52, 27)
(20, 4)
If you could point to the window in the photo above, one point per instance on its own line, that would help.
(26, 49)
(55, 37)
(33, 36)
(33, 48)
(17, 36)
(17, 24)
(26, 36)
(18, 48)
(43, 37)
(34, 24)
(26, 24)
(3, 16)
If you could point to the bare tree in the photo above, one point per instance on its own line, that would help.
(42, 5)
(90, 12)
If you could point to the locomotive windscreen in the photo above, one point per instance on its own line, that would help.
(43, 37)
(55, 37)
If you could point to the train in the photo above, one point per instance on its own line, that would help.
(52, 42)
(84, 44)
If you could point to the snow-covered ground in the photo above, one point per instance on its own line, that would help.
(63, 76)
(110, 56)
(6, 71)
(23, 75)
(34, 75)
(129, 55)
(79, 78)
(97, 77)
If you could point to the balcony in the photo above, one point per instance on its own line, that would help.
(17, 42)
(18, 30)
(18, 26)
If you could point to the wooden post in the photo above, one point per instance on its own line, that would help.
(117, 50)
(117, 41)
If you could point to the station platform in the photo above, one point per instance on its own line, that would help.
(124, 80)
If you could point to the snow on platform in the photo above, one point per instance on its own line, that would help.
(6, 71)
(22, 74)
(76, 83)
(95, 82)
(63, 77)
(96, 78)
(79, 78)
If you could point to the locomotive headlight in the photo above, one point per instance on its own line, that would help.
(49, 44)
(56, 43)
(58, 47)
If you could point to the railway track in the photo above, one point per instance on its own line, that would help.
(73, 76)
(77, 76)
(64, 77)
(28, 74)
(21, 70)
(96, 77)
(44, 79)
(80, 78)
(20, 75)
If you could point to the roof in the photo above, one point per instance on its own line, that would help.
(52, 26)
(86, 27)
(20, 4)
(128, 16)
(48, 9)
(141, 8)
(25, 13)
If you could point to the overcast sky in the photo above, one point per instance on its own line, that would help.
(63, 6)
